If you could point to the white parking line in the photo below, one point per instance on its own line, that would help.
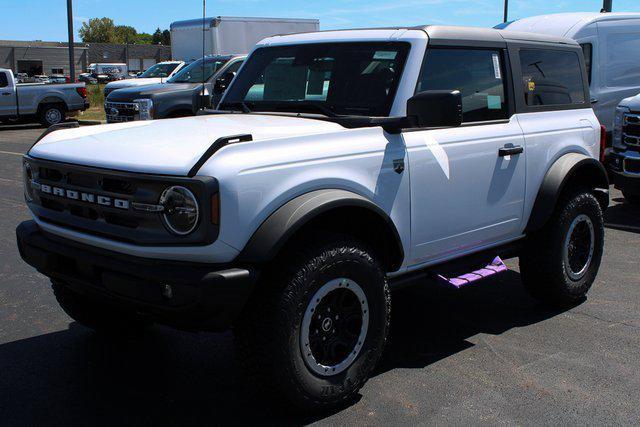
(11, 152)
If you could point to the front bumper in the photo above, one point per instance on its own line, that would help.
(626, 175)
(204, 296)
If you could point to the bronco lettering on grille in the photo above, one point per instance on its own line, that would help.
(85, 197)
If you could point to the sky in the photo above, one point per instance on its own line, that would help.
(47, 20)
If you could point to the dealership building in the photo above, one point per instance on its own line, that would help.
(47, 58)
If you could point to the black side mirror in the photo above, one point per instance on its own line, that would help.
(435, 108)
(223, 83)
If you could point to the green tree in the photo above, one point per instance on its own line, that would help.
(145, 38)
(125, 34)
(166, 38)
(157, 36)
(98, 30)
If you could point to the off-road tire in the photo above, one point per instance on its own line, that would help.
(545, 273)
(268, 334)
(633, 199)
(97, 316)
(51, 114)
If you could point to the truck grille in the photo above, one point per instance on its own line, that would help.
(103, 202)
(119, 112)
(632, 166)
(631, 130)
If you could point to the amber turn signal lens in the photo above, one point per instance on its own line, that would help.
(215, 209)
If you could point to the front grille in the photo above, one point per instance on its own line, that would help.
(100, 202)
(631, 130)
(118, 112)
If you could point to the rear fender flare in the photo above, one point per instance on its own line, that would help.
(570, 169)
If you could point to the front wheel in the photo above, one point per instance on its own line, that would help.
(314, 333)
(560, 262)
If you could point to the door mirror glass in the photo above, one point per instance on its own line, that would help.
(223, 83)
(435, 108)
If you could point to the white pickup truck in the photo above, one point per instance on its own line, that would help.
(342, 165)
(48, 104)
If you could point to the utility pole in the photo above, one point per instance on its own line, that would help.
(72, 55)
(607, 6)
(506, 10)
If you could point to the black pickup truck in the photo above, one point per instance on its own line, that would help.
(179, 96)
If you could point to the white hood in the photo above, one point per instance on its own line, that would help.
(170, 146)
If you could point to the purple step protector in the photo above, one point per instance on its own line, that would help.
(496, 266)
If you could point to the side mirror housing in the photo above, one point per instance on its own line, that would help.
(223, 83)
(435, 108)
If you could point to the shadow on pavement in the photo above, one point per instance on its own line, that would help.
(623, 216)
(174, 378)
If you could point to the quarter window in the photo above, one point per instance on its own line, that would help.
(478, 74)
(551, 77)
(3, 80)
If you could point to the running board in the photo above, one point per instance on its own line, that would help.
(495, 267)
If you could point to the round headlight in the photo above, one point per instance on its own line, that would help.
(181, 212)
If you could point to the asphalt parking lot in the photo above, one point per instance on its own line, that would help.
(487, 354)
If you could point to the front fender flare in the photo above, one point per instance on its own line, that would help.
(281, 225)
(564, 171)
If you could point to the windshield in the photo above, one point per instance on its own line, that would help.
(332, 79)
(192, 73)
(159, 70)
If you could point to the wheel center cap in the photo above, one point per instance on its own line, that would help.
(327, 324)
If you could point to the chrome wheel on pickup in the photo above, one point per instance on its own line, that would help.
(51, 115)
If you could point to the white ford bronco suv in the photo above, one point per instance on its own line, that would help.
(340, 164)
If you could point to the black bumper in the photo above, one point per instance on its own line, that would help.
(627, 184)
(204, 297)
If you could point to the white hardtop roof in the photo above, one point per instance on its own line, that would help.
(565, 24)
(435, 33)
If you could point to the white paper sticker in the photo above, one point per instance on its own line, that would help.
(496, 66)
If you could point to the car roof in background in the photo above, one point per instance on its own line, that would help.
(564, 24)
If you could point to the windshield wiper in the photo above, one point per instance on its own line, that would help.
(319, 106)
(237, 104)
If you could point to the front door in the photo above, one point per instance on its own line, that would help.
(467, 183)
(7, 96)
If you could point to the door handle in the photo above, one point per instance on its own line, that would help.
(510, 151)
(594, 100)
(6, 93)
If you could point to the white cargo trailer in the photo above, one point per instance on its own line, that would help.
(226, 35)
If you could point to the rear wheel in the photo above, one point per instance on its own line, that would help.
(314, 333)
(561, 261)
(51, 115)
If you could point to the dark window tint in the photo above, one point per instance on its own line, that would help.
(477, 74)
(587, 49)
(330, 78)
(3, 80)
(234, 67)
(551, 77)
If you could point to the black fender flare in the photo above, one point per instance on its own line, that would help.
(282, 224)
(564, 171)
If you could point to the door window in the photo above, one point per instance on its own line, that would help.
(477, 73)
(3, 80)
(551, 77)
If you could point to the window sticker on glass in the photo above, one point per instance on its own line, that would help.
(494, 102)
(385, 54)
(496, 66)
